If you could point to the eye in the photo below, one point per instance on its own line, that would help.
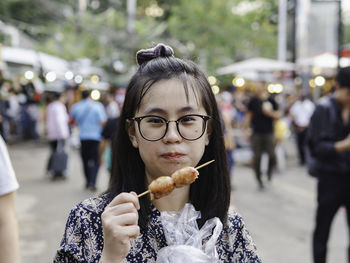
(154, 120)
(188, 119)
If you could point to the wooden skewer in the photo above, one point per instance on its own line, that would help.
(204, 164)
(198, 167)
(144, 193)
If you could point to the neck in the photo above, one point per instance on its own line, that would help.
(175, 201)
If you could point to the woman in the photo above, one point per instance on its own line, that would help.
(169, 120)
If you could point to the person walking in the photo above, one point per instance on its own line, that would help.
(108, 137)
(300, 114)
(112, 107)
(57, 127)
(328, 139)
(261, 114)
(90, 116)
(9, 241)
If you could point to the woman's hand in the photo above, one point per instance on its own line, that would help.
(119, 222)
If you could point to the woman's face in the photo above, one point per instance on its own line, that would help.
(167, 99)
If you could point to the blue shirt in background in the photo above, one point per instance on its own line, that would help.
(89, 115)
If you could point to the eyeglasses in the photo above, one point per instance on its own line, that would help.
(190, 127)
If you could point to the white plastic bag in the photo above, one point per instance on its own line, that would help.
(185, 240)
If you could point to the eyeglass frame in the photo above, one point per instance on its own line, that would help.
(140, 118)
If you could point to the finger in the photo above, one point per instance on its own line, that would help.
(138, 203)
(131, 231)
(124, 198)
(123, 220)
(121, 209)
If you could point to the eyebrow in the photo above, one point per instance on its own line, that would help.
(162, 111)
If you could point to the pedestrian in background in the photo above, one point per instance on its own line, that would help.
(169, 120)
(9, 244)
(13, 112)
(90, 116)
(108, 137)
(227, 112)
(57, 127)
(262, 111)
(109, 130)
(300, 114)
(328, 139)
(112, 107)
(4, 104)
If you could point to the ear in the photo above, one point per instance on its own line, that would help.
(130, 128)
(208, 134)
(207, 140)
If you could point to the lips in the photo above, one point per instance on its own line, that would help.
(172, 155)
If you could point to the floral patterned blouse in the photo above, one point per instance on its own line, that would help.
(83, 237)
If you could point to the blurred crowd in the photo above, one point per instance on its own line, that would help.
(258, 124)
(26, 114)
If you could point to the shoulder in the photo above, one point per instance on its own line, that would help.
(96, 103)
(85, 218)
(234, 221)
(98, 106)
(83, 237)
(236, 242)
(322, 106)
(49, 106)
(60, 105)
(94, 204)
(93, 207)
(309, 104)
(324, 102)
(56, 105)
(75, 106)
(295, 105)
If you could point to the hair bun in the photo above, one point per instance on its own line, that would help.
(160, 50)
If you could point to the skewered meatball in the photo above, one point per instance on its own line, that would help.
(185, 176)
(161, 186)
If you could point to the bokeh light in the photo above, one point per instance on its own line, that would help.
(29, 75)
(275, 88)
(78, 79)
(238, 82)
(212, 80)
(94, 79)
(320, 81)
(50, 76)
(95, 94)
(69, 75)
(215, 89)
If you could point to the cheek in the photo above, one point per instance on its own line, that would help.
(197, 149)
(146, 149)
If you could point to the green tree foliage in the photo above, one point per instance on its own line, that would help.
(30, 15)
(87, 35)
(213, 30)
(209, 31)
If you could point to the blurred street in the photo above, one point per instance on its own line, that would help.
(65, 71)
(280, 218)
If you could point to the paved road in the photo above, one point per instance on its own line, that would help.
(280, 218)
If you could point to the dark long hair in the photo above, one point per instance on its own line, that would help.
(210, 193)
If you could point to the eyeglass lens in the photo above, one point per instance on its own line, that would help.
(190, 127)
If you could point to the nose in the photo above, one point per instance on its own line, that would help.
(172, 135)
